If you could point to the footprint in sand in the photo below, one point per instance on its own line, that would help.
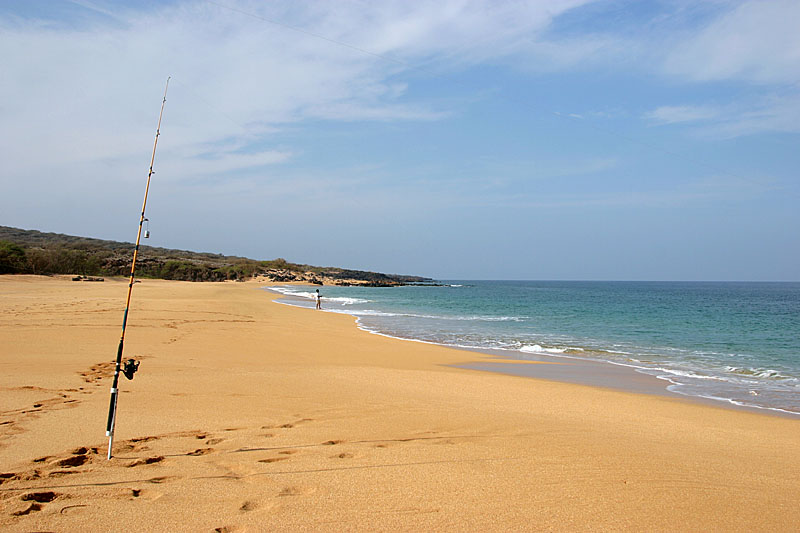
(143, 439)
(55, 467)
(83, 450)
(296, 490)
(290, 425)
(97, 372)
(145, 461)
(62, 473)
(248, 506)
(131, 494)
(273, 459)
(75, 460)
(29, 476)
(252, 505)
(80, 456)
(12, 421)
(160, 479)
(201, 451)
(343, 456)
(37, 499)
(127, 447)
(28, 510)
(135, 444)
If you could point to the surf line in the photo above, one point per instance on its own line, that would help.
(131, 365)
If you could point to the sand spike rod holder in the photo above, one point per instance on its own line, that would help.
(112, 407)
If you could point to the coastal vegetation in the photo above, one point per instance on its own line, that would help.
(34, 252)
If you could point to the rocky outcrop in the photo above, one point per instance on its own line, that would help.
(332, 277)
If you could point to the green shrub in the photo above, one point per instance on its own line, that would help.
(12, 258)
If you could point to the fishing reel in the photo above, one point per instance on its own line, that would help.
(130, 368)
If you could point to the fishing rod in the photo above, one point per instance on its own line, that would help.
(131, 366)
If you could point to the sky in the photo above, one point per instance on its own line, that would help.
(455, 139)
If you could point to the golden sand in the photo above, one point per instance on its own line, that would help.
(247, 415)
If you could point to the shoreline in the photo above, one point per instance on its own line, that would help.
(250, 416)
(561, 368)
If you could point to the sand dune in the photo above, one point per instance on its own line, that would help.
(247, 415)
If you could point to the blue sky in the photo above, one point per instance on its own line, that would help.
(458, 139)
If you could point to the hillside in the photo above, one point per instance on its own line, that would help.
(35, 252)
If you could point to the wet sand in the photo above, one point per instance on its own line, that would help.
(575, 371)
(247, 415)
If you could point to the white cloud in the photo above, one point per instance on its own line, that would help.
(77, 93)
(773, 113)
(79, 98)
(758, 41)
(89, 89)
(770, 114)
(190, 165)
(85, 90)
(677, 114)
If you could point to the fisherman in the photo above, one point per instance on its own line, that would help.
(319, 300)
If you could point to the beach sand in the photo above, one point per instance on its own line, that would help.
(247, 415)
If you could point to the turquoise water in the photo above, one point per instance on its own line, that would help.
(734, 342)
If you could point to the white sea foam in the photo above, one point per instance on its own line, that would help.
(532, 348)
(494, 318)
(677, 389)
(763, 373)
(689, 374)
(346, 301)
(536, 348)
(362, 312)
(289, 291)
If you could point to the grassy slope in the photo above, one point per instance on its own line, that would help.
(36, 252)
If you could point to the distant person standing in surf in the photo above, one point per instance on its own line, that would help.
(319, 300)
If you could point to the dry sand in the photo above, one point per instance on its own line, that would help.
(247, 415)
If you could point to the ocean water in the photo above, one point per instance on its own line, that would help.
(732, 342)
